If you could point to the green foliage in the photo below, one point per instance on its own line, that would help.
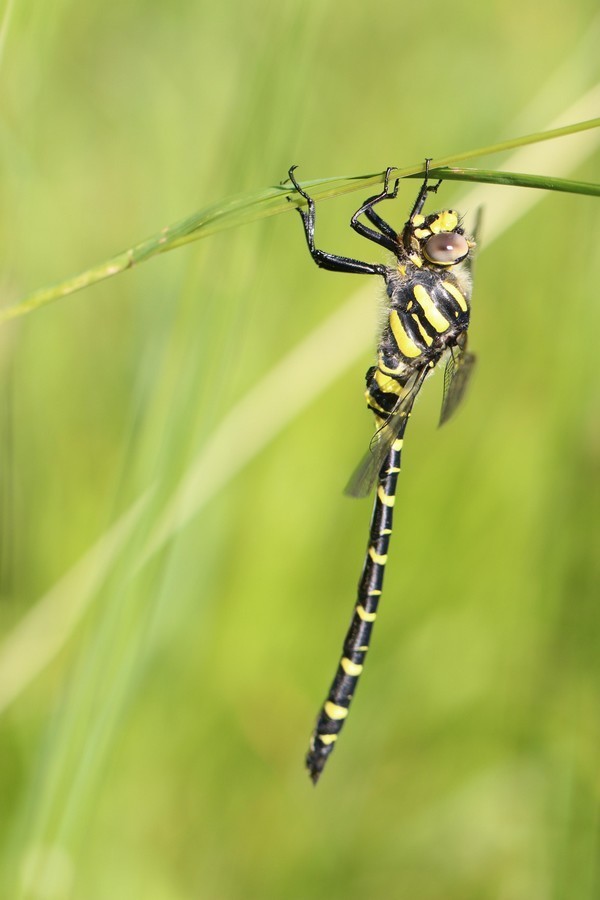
(178, 563)
(272, 201)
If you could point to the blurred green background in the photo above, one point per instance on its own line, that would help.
(152, 746)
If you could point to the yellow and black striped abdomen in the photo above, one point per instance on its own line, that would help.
(384, 390)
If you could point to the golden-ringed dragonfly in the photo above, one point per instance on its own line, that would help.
(428, 291)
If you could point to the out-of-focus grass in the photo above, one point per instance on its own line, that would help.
(160, 755)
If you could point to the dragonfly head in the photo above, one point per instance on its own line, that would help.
(437, 238)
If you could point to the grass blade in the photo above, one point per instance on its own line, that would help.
(269, 202)
(515, 179)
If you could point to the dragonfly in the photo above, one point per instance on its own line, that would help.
(428, 303)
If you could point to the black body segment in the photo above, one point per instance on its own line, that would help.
(428, 306)
(356, 644)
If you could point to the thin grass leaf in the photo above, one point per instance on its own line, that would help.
(515, 179)
(272, 201)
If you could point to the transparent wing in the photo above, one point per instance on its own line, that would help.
(457, 373)
(365, 476)
(476, 234)
(459, 367)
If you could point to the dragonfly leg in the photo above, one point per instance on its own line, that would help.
(328, 260)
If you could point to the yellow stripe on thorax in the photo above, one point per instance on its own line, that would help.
(430, 310)
(426, 337)
(406, 345)
(454, 291)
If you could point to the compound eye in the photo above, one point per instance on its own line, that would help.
(446, 248)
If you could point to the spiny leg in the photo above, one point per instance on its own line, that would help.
(356, 644)
(328, 260)
(386, 235)
(422, 195)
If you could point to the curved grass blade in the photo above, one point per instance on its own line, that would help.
(261, 204)
(514, 179)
